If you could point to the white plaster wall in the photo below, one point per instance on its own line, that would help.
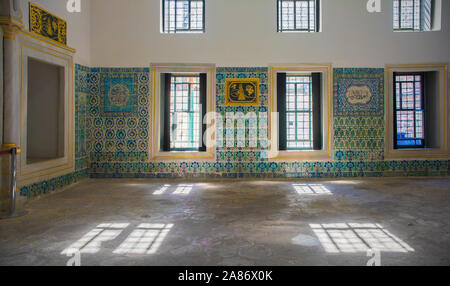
(243, 33)
(78, 25)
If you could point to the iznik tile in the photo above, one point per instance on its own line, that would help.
(358, 92)
(112, 136)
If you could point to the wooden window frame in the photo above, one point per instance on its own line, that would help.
(327, 120)
(156, 153)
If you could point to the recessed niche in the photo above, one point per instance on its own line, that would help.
(45, 112)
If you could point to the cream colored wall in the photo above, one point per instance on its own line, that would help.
(78, 25)
(44, 138)
(243, 33)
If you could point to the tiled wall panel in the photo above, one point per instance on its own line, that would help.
(117, 145)
(112, 142)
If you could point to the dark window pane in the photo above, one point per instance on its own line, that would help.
(183, 16)
(409, 111)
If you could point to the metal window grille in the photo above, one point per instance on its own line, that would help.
(185, 113)
(183, 16)
(298, 15)
(299, 113)
(409, 111)
(413, 15)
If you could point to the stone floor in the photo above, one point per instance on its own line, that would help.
(229, 222)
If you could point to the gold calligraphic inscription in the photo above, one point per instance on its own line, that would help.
(47, 25)
(242, 92)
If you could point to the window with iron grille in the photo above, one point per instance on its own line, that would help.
(183, 107)
(298, 15)
(185, 113)
(299, 113)
(299, 103)
(183, 16)
(413, 15)
(409, 117)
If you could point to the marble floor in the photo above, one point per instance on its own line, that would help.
(230, 222)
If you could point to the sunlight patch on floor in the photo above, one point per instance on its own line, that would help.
(162, 190)
(181, 189)
(311, 189)
(92, 241)
(354, 237)
(145, 239)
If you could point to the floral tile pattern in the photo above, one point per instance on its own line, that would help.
(113, 142)
(81, 95)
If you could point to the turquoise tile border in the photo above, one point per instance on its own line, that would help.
(54, 184)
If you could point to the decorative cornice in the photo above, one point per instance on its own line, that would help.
(47, 41)
(10, 27)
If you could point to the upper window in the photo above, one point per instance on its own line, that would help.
(409, 113)
(413, 15)
(183, 16)
(298, 15)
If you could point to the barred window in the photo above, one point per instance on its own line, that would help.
(409, 114)
(416, 116)
(299, 98)
(183, 107)
(298, 15)
(183, 16)
(413, 15)
(185, 113)
(299, 113)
